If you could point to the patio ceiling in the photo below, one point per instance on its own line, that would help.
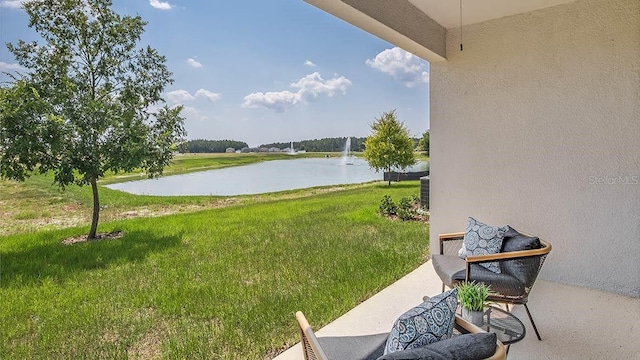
(419, 26)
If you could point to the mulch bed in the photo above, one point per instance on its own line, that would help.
(99, 237)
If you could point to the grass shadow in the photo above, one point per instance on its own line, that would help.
(55, 261)
(407, 184)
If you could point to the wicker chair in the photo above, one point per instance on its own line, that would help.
(519, 270)
(366, 347)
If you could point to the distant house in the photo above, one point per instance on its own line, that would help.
(264, 149)
(274, 149)
(230, 150)
(245, 150)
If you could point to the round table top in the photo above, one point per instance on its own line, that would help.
(505, 325)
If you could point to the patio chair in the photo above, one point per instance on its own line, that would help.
(519, 268)
(371, 347)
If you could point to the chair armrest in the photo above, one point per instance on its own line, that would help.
(453, 248)
(543, 250)
(310, 346)
(501, 350)
(451, 236)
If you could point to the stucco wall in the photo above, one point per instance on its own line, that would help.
(536, 124)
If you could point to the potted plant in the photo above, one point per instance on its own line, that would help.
(473, 298)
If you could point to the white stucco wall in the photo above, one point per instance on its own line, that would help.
(536, 124)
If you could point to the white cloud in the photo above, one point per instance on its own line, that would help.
(13, 4)
(162, 5)
(309, 88)
(402, 65)
(309, 63)
(278, 101)
(314, 85)
(202, 93)
(194, 63)
(179, 96)
(11, 67)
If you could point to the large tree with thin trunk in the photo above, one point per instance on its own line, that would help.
(90, 100)
(390, 147)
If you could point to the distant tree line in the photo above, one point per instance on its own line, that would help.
(322, 145)
(315, 145)
(210, 146)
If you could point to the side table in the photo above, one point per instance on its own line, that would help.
(507, 327)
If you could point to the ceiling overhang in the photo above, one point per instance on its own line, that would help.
(419, 26)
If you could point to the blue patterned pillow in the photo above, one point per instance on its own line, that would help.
(426, 323)
(482, 239)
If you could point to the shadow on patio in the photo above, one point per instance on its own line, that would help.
(574, 322)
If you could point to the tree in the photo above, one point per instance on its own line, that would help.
(90, 101)
(423, 145)
(389, 146)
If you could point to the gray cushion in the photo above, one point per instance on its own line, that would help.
(515, 241)
(482, 239)
(449, 268)
(431, 321)
(463, 347)
(524, 269)
(366, 347)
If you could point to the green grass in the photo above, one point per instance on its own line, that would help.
(37, 204)
(219, 284)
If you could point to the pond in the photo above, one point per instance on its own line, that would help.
(264, 177)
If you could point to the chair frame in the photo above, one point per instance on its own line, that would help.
(542, 252)
(313, 351)
(310, 345)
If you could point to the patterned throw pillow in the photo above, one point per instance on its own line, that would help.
(426, 323)
(482, 239)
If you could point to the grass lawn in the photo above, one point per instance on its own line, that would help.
(222, 283)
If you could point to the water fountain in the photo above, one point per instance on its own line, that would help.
(292, 151)
(346, 153)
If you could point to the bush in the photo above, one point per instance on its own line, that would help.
(387, 206)
(406, 210)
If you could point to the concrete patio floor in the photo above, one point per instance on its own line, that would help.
(574, 322)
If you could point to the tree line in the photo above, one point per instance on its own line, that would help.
(210, 146)
(322, 145)
(316, 145)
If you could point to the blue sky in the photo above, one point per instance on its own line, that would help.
(267, 71)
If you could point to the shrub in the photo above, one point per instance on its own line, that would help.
(406, 209)
(387, 206)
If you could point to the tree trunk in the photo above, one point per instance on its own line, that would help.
(96, 210)
(389, 171)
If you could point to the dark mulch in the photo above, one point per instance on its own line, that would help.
(99, 237)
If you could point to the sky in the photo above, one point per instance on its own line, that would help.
(266, 71)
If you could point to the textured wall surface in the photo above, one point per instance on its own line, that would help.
(536, 124)
(403, 17)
